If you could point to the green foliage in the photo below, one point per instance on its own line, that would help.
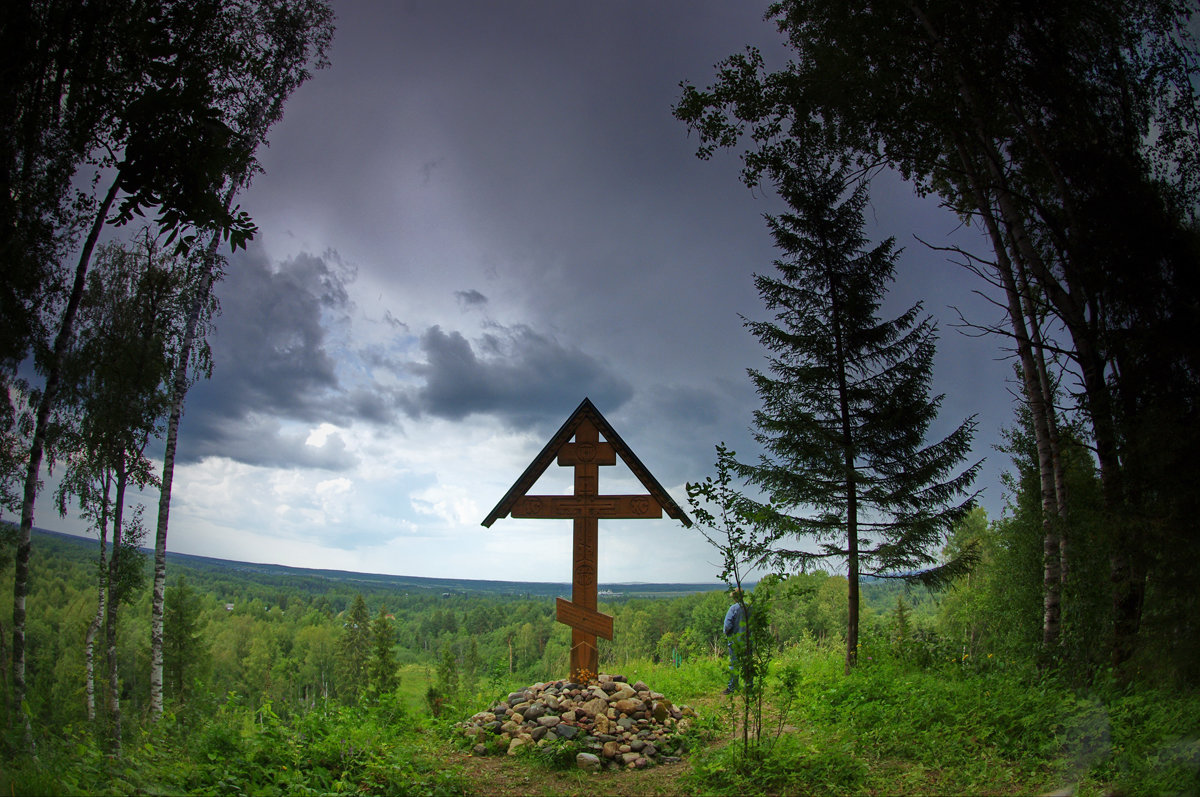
(788, 766)
(185, 645)
(691, 682)
(892, 727)
(332, 748)
(354, 650)
(383, 676)
(471, 666)
(920, 717)
(997, 608)
(721, 515)
(444, 691)
(128, 563)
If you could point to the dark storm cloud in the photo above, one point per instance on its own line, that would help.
(272, 359)
(471, 298)
(276, 363)
(264, 442)
(529, 151)
(517, 375)
(677, 426)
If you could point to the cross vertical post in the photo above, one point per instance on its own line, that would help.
(585, 657)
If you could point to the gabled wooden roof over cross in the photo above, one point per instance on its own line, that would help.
(586, 411)
(577, 444)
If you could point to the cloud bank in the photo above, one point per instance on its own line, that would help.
(286, 363)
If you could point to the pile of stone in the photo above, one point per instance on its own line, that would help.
(617, 723)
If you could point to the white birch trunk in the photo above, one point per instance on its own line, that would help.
(110, 624)
(37, 450)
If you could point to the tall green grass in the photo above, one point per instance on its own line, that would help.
(891, 727)
(331, 749)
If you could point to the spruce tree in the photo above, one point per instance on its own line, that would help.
(185, 647)
(354, 650)
(383, 660)
(846, 401)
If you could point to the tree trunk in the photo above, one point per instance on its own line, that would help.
(1066, 304)
(110, 619)
(101, 585)
(1040, 399)
(852, 597)
(1051, 420)
(179, 390)
(267, 115)
(1036, 393)
(89, 644)
(1126, 574)
(37, 451)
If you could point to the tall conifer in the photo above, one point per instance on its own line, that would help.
(382, 669)
(845, 400)
(354, 651)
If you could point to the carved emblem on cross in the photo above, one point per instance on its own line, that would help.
(578, 445)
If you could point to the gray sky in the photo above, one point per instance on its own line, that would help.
(479, 215)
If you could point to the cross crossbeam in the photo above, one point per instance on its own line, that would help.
(635, 507)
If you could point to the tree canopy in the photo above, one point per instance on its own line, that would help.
(1070, 134)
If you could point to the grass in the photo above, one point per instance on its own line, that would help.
(892, 728)
(889, 727)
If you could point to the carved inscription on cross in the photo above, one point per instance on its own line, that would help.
(586, 452)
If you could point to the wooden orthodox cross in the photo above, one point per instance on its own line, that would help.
(577, 444)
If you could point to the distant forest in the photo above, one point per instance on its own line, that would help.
(268, 632)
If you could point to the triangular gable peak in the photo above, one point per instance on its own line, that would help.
(586, 411)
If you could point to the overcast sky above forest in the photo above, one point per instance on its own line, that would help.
(478, 215)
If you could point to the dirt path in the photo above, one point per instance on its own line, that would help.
(513, 776)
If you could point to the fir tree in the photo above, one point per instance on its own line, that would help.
(354, 650)
(447, 672)
(383, 660)
(845, 401)
(185, 648)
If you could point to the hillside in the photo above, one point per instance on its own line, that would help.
(281, 680)
(313, 581)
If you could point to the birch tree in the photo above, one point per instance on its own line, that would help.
(279, 42)
(159, 141)
(116, 380)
